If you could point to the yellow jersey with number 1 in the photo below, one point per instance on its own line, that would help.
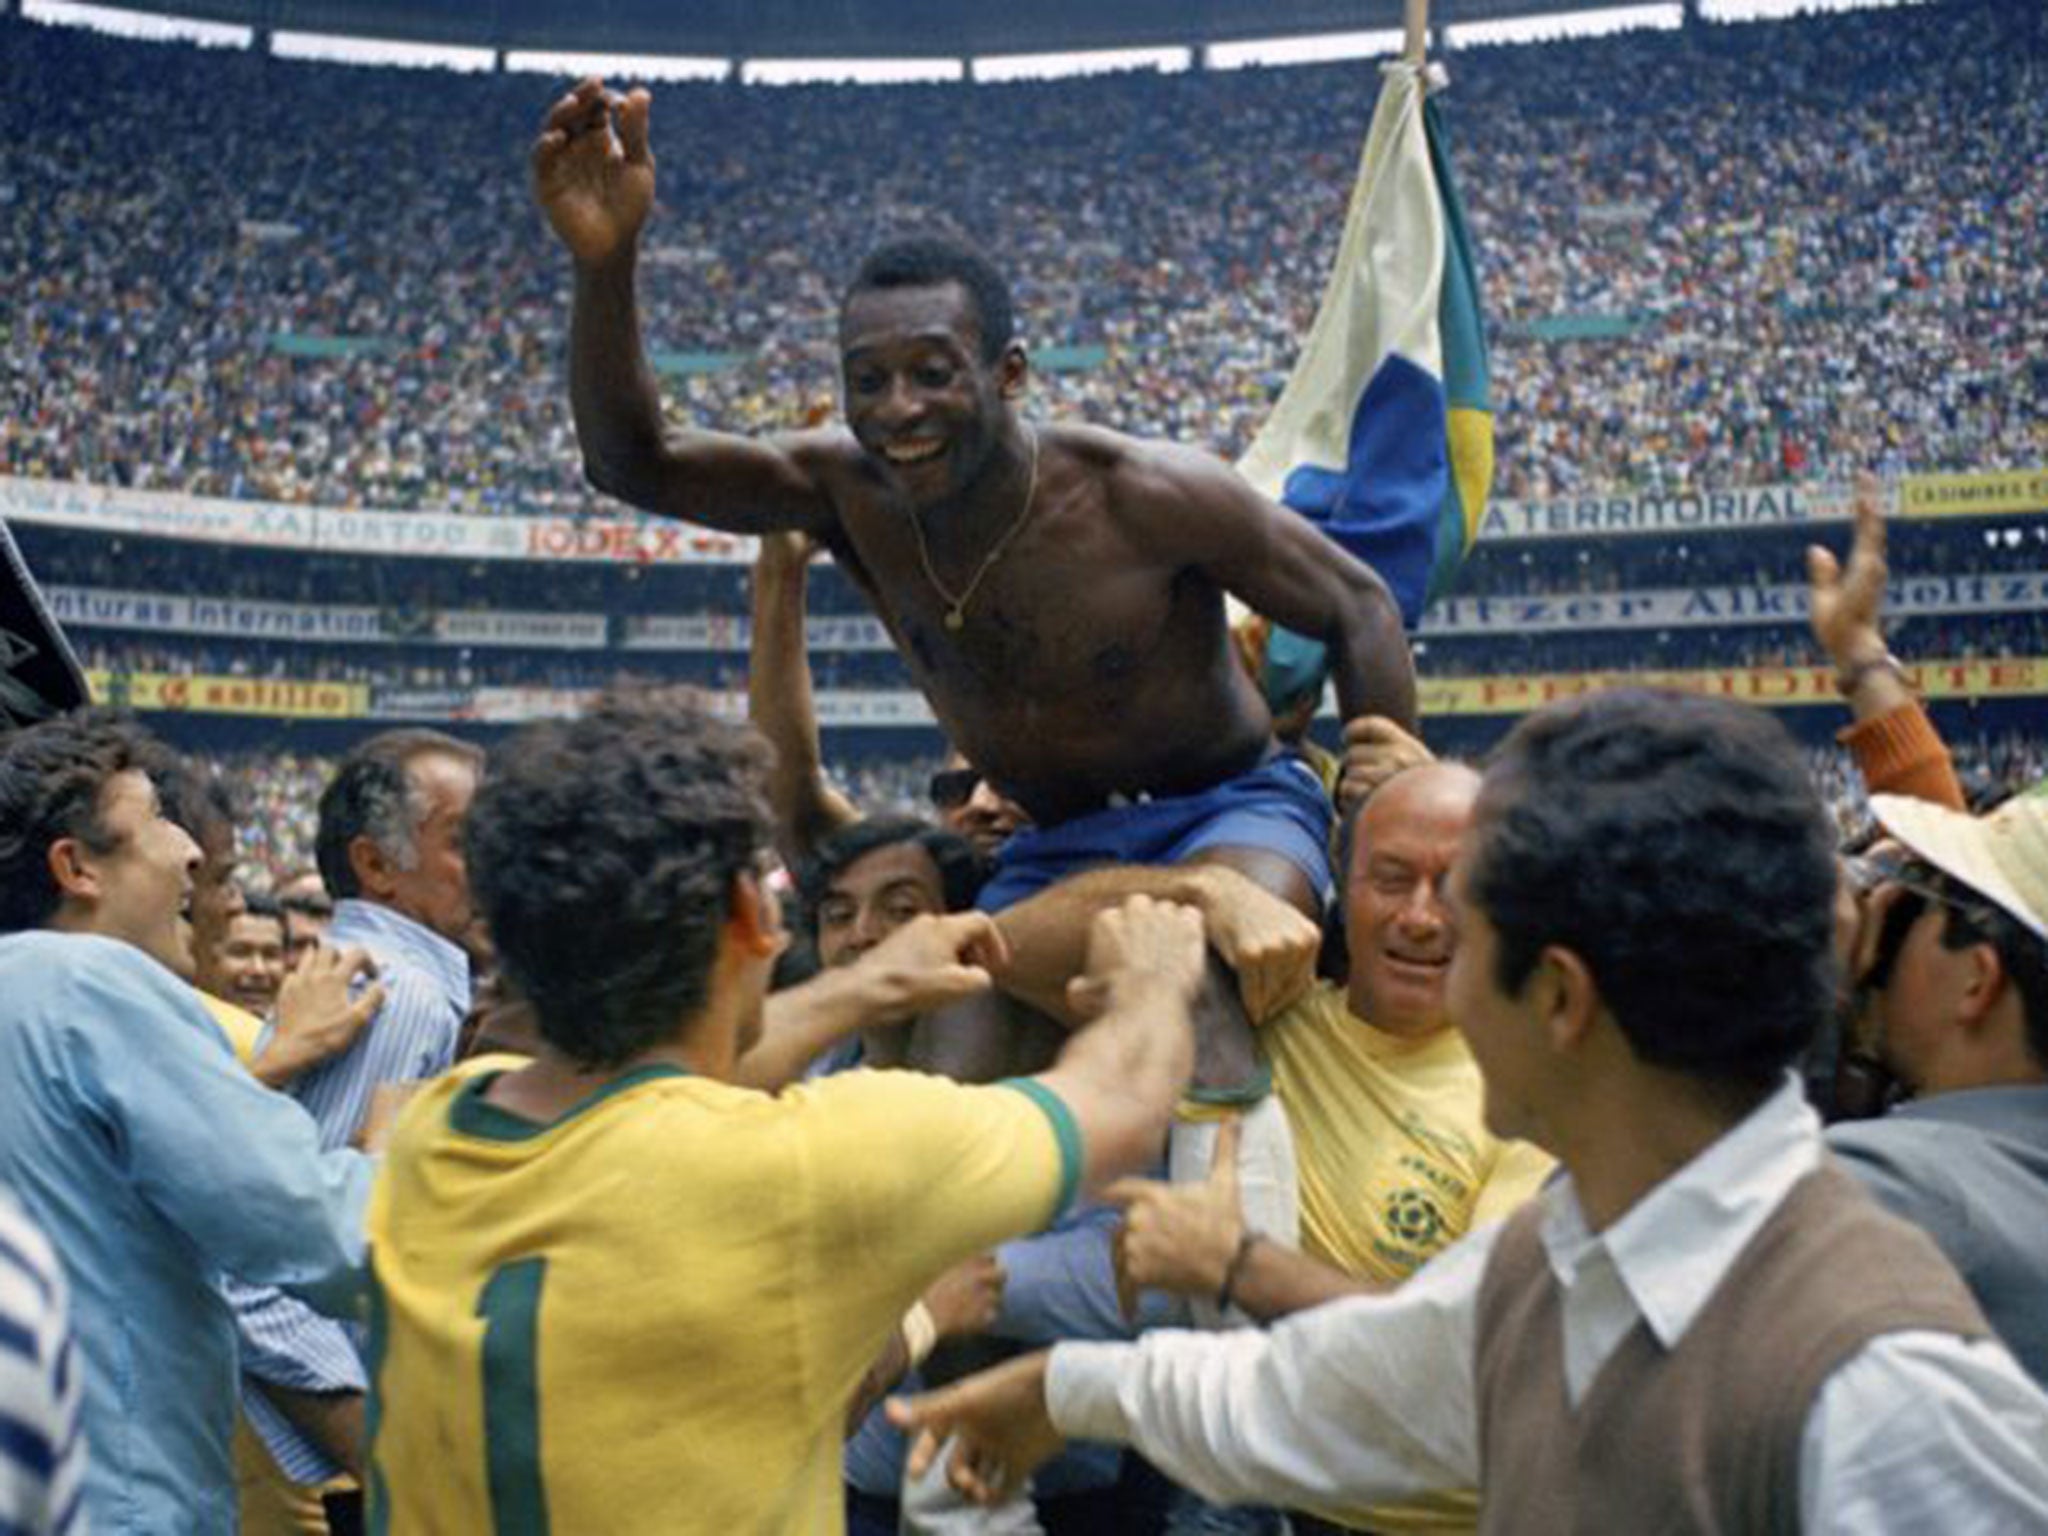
(650, 1314)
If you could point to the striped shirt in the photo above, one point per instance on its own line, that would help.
(42, 1390)
(426, 996)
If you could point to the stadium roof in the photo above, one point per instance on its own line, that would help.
(832, 28)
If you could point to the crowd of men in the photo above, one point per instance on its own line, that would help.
(1186, 1129)
(1822, 229)
(1569, 1243)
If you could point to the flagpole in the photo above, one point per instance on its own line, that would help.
(1415, 21)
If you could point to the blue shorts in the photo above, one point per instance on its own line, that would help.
(1278, 807)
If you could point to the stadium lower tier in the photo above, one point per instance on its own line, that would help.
(1459, 712)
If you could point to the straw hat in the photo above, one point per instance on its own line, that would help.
(2002, 856)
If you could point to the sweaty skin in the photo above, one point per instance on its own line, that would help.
(1092, 658)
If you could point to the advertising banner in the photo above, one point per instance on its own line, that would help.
(732, 632)
(508, 627)
(422, 703)
(626, 539)
(1980, 495)
(206, 694)
(227, 618)
(240, 619)
(1720, 607)
(1603, 516)
(1774, 687)
(629, 539)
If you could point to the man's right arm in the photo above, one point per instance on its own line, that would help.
(1121, 1074)
(1891, 736)
(927, 963)
(593, 175)
(1369, 1400)
(780, 703)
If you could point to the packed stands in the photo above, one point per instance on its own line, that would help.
(1784, 251)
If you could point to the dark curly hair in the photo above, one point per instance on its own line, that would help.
(52, 778)
(930, 260)
(960, 872)
(602, 852)
(1675, 843)
(204, 804)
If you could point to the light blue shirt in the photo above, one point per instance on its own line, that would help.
(426, 996)
(154, 1162)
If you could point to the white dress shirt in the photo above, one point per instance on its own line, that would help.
(1375, 1399)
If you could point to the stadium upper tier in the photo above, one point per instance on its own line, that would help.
(1730, 256)
(935, 29)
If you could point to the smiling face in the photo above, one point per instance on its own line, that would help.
(137, 884)
(216, 900)
(919, 395)
(967, 804)
(252, 960)
(1395, 923)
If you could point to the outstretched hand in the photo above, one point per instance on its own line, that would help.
(593, 171)
(316, 1017)
(1269, 945)
(994, 1428)
(1844, 605)
(1140, 940)
(932, 961)
(1179, 1237)
(1375, 749)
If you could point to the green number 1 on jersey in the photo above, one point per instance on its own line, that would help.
(510, 1308)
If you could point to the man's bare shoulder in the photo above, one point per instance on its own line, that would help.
(1142, 472)
(829, 453)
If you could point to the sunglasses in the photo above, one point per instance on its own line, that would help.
(1923, 885)
(952, 788)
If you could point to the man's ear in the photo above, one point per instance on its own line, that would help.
(1013, 371)
(751, 918)
(1984, 982)
(71, 866)
(1570, 998)
(372, 867)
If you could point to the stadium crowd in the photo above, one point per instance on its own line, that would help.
(226, 275)
(1545, 1236)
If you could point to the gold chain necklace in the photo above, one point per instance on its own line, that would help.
(956, 605)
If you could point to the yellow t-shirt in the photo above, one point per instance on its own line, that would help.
(1396, 1164)
(243, 1029)
(650, 1315)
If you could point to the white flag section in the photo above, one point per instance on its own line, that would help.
(1383, 436)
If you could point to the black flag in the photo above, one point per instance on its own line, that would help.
(39, 677)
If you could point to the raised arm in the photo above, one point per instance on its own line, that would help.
(779, 701)
(1894, 742)
(593, 175)
(927, 963)
(1281, 567)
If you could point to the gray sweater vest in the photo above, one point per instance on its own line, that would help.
(1705, 1437)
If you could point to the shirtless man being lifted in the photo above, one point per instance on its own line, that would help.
(1056, 591)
